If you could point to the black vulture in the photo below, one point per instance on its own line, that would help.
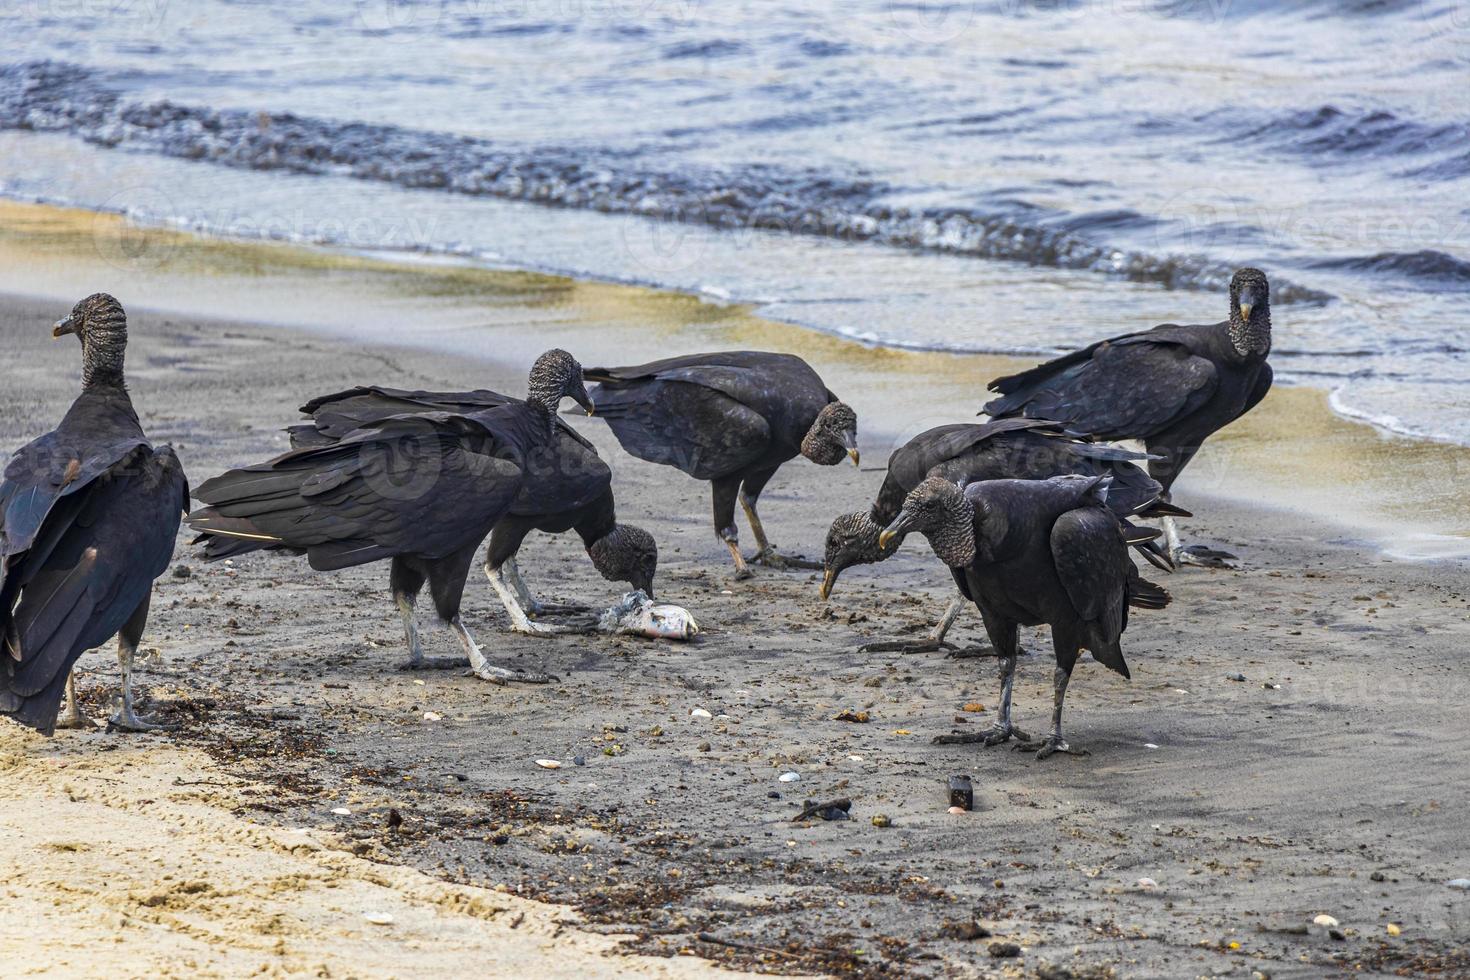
(567, 487)
(1022, 449)
(422, 489)
(731, 418)
(88, 517)
(1033, 552)
(1171, 387)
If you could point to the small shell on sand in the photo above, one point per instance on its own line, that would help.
(1325, 921)
(957, 809)
(548, 763)
(378, 918)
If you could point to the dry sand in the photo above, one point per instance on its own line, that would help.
(1328, 781)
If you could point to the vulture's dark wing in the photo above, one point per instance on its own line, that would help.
(44, 471)
(1130, 387)
(422, 485)
(695, 427)
(334, 416)
(1087, 550)
(89, 567)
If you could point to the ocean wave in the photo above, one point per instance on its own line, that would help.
(1331, 135)
(56, 97)
(1426, 265)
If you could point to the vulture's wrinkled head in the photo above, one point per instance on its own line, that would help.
(852, 540)
(1250, 313)
(626, 554)
(557, 375)
(832, 436)
(101, 325)
(938, 510)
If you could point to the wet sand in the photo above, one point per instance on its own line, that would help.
(1253, 806)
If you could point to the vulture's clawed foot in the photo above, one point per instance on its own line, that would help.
(434, 663)
(926, 645)
(1003, 732)
(1050, 747)
(125, 719)
(74, 720)
(1199, 555)
(504, 675)
(771, 558)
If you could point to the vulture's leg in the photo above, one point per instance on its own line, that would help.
(951, 613)
(1066, 650)
(446, 584)
(1003, 636)
(519, 621)
(1166, 470)
(124, 717)
(535, 607)
(487, 671)
(933, 643)
(766, 553)
(71, 716)
(505, 541)
(724, 491)
(405, 579)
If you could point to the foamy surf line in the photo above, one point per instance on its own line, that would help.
(768, 308)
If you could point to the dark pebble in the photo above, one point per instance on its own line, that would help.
(1005, 951)
(966, 930)
(182, 571)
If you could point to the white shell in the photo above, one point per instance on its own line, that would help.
(1326, 921)
(548, 763)
(378, 918)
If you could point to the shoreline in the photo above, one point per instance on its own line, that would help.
(1351, 472)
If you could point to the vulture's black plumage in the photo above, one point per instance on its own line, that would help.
(567, 487)
(965, 453)
(1171, 387)
(731, 418)
(422, 489)
(88, 517)
(1033, 552)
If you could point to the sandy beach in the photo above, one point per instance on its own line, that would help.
(1214, 819)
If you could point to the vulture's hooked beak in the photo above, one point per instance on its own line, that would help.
(829, 579)
(64, 326)
(900, 526)
(585, 400)
(849, 442)
(1247, 303)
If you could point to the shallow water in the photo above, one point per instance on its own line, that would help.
(1009, 177)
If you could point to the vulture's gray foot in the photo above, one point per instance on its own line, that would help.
(1054, 744)
(1198, 554)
